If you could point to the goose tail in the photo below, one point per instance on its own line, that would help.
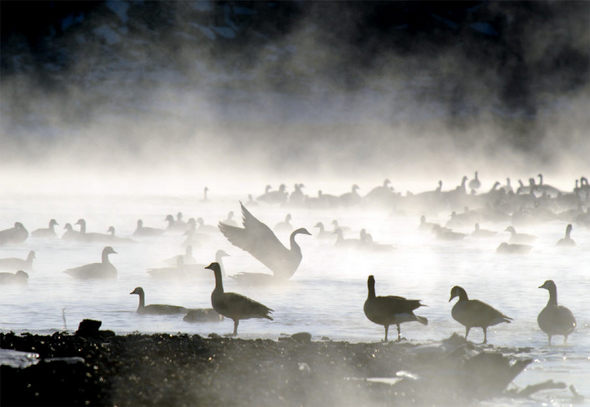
(422, 320)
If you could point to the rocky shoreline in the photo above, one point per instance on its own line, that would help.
(104, 369)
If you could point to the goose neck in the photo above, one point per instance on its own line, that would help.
(552, 296)
(218, 281)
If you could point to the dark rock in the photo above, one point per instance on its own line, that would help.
(303, 337)
(88, 328)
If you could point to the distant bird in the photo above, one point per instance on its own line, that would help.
(367, 243)
(279, 196)
(20, 277)
(234, 306)
(322, 233)
(204, 228)
(341, 242)
(477, 232)
(13, 263)
(390, 310)
(70, 233)
(187, 257)
(141, 230)
(519, 238)
(92, 237)
(96, 271)
(202, 315)
(175, 225)
(474, 313)
(508, 248)
(229, 220)
(46, 232)
(116, 239)
(16, 234)
(205, 191)
(336, 226)
(170, 272)
(555, 319)
(426, 226)
(474, 184)
(567, 240)
(352, 197)
(284, 226)
(257, 239)
(158, 309)
(251, 202)
(446, 233)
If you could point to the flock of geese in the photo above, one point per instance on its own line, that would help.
(535, 203)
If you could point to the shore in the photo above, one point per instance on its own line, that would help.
(104, 369)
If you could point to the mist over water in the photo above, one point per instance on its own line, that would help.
(115, 111)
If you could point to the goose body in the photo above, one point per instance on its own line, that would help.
(390, 310)
(567, 240)
(16, 234)
(20, 277)
(96, 271)
(92, 237)
(234, 306)
(46, 232)
(519, 238)
(141, 230)
(475, 313)
(478, 232)
(202, 315)
(511, 248)
(257, 239)
(474, 184)
(352, 197)
(555, 319)
(13, 263)
(157, 309)
(70, 233)
(341, 242)
(446, 234)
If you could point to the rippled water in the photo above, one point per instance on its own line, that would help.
(325, 296)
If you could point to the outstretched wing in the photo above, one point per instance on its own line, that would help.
(257, 239)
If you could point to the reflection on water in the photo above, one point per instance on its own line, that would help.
(326, 294)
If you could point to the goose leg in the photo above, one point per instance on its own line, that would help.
(386, 331)
(467, 328)
(236, 322)
(485, 335)
(399, 335)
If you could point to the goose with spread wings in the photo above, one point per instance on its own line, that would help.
(259, 240)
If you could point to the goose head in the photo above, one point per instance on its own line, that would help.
(510, 229)
(221, 253)
(68, 227)
(288, 218)
(179, 216)
(108, 250)
(301, 231)
(52, 223)
(18, 225)
(267, 188)
(32, 255)
(214, 267)
(355, 187)
(138, 291)
(549, 285)
(386, 182)
(422, 219)
(191, 223)
(568, 229)
(319, 225)
(80, 222)
(139, 223)
(282, 187)
(169, 218)
(457, 291)
(200, 221)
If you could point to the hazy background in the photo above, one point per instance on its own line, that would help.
(171, 96)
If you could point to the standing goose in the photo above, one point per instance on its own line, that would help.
(390, 310)
(257, 239)
(474, 184)
(234, 306)
(567, 240)
(555, 319)
(13, 263)
(474, 313)
(46, 232)
(158, 309)
(141, 230)
(519, 238)
(96, 271)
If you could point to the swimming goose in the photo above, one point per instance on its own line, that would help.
(567, 240)
(519, 238)
(168, 273)
(175, 225)
(352, 197)
(390, 310)
(426, 226)
(346, 243)
(114, 238)
(474, 184)
(338, 226)
(70, 233)
(16, 234)
(234, 306)
(20, 277)
(297, 197)
(251, 201)
(205, 191)
(279, 196)
(446, 233)
(202, 315)
(507, 248)
(95, 271)
(146, 231)
(92, 237)
(158, 309)
(367, 243)
(13, 263)
(555, 319)
(257, 239)
(284, 226)
(482, 232)
(229, 220)
(474, 313)
(202, 227)
(187, 257)
(46, 232)
(322, 234)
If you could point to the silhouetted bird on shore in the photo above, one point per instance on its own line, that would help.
(390, 310)
(555, 319)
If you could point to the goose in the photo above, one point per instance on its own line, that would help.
(297, 197)
(474, 313)
(555, 319)
(567, 240)
(16, 234)
(168, 273)
(381, 194)
(352, 197)
(234, 306)
(508, 187)
(96, 271)
(229, 220)
(202, 227)
(426, 226)
(219, 255)
(390, 310)
(509, 248)
(187, 257)
(477, 232)
(257, 239)
(70, 233)
(446, 234)
(194, 238)
(549, 189)
(474, 184)
(327, 200)
(346, 243)
(91, 237)
(284, 226)
(251, 201)
(367, 243)
(158, 309)
(13, 263)
(322, 233)
(519, 238)
(263, 197)
(46, 232)
(279, 196)
(202, 315)
(336, 226)
(114, 238)
(20, 277)
(146, 231)
(205, 191)
(175, 225)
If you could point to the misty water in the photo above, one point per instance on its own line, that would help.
(325, 296)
